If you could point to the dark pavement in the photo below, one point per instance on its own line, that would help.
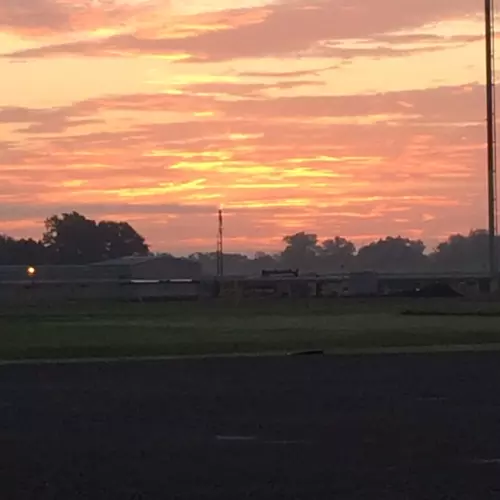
(381, 427)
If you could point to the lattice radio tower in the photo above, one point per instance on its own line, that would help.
(220, 245)
(491, 132)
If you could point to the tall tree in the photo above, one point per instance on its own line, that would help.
(392, 255)
(21, 252)
(301, 251)
(337, 254)
(120, 239)
(463, 253)
(73, 239)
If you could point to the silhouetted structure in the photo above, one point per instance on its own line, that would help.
(148, 268)
(491, 135)
(279, 272)
(220, 245)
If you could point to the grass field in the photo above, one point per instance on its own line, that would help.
(218, 327)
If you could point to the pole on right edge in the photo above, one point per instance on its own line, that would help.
(491, 137)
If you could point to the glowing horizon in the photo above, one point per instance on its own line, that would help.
(361, 122)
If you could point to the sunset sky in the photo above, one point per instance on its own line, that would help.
(358, 118)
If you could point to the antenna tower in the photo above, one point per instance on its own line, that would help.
(491, 134)
(220, 245)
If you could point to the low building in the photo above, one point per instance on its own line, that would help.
(129, 278)
(163, 267)
(44, 273)
(363, 283)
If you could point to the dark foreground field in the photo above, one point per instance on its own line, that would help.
(316, 427)
(215, 327)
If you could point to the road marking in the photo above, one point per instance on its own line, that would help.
(138, 359)
(235, 438)
(486, 461)
(433, 398)
(288, 441)
(255, 438)
(432, 349)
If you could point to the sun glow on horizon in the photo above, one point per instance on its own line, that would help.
(159, 112)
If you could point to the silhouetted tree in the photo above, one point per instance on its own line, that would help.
(21, 252)
(463, 253)
(30, 252)
(74, 239)
(392, 254)
(71, 238)
(263, 261)
(301, 251)
(7, 249)
(235, 263)
(120, 239)
(336, 254)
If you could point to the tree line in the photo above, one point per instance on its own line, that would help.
(304, 251)
(73, 239)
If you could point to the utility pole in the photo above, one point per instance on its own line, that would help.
(220, 245)
(491, 137)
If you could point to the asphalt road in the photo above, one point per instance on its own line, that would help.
(423, 426)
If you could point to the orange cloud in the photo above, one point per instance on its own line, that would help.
(283, 142)
(42, 18)
(269, 160)
(319, 28)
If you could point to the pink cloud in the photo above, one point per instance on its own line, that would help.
(408, 162)
(316, 26)
(274, 163)
(41, 18)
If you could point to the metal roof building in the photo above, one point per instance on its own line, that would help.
(164, 267)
